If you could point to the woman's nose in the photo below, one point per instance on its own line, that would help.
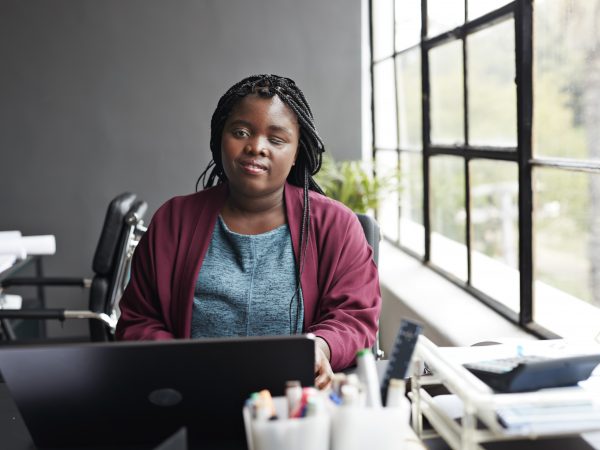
(257, 146)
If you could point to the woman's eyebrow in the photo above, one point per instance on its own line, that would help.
(273, 128)
(241, 122)
(281, 129)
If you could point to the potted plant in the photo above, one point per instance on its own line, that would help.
(353, 184)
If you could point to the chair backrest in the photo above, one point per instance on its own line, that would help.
(373, 235)
(120, 233)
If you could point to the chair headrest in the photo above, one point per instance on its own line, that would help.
(114, 223)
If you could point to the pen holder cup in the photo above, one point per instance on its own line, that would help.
(308, 433)
(359, 428)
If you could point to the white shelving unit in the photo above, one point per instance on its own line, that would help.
(480, 404)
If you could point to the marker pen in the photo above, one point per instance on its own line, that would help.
(293, 393)
(350, 395)
(367, 373)
(265, 408)
(314, 406)
(396, 393)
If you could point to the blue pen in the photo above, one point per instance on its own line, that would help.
(335, 398)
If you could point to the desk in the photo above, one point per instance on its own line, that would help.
(14, 434)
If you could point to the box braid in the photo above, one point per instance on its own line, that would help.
(308, 161)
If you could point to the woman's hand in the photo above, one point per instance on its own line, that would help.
(323, 371)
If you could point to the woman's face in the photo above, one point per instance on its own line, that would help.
(259, 145)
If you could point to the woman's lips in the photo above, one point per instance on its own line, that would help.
(253, 167)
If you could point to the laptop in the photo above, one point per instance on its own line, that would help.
(137, 394)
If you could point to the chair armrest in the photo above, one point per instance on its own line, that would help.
(58, 314)
(46, 281)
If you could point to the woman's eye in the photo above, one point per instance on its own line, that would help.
(276, 141)
(240, 133)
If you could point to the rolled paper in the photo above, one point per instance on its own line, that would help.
(12, 243)
(39, 245)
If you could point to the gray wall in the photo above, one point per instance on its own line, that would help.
(98, 97)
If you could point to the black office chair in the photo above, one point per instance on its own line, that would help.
(373, 235)
(122, 229)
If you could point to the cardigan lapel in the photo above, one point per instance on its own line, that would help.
(205, 218)
(294, 200)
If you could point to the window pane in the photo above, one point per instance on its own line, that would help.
(383, 28)
(567, 252)
(495, 235)
(446, 94)
(491, 83)
(408, 69)
(385, 105)
(447, 187)
(566, 82)
(412, 233)
(444, 15)
(478, 8)
(386, 165)
(408, 23)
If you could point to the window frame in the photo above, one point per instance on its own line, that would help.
(521, 11)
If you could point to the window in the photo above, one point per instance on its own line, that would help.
(489, 111)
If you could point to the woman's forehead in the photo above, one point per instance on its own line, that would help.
(257, 107)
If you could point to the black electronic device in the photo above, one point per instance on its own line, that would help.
(401, 354)
(529, 372)
(136, 394)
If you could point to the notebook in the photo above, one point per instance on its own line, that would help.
(137, 394)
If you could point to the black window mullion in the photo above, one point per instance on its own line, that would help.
(471, 27)
(372, 72)
(524, 79)
(425, 130)
(504, 154)
(466, 160)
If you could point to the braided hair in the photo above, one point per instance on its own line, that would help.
(308, 161)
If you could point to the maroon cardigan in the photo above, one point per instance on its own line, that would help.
(340, 284)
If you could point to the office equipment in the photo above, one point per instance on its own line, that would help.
(485, 414)
(307, 433)
(122, 229)
(125, 393)
(531, 372)
(402, 351)
(345, 427)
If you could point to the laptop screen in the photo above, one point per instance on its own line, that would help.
(127, 393)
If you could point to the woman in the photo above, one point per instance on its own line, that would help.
(260, 250)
